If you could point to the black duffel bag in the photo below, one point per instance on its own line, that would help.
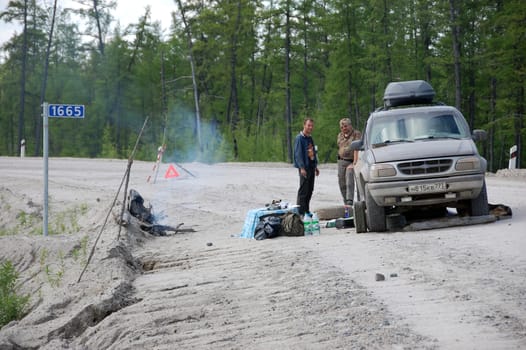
(268, 227)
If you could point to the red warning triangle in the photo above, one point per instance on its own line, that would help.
(171, 172)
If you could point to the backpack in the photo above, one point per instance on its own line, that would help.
(292, 225)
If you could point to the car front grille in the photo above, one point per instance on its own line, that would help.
(433, 166)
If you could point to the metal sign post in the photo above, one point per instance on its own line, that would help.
(56, 111)
(45, 156)
(512, 163)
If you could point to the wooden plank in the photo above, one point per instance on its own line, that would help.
(329, 213)
(449, 222)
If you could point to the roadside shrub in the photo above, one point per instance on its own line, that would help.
(12, 305)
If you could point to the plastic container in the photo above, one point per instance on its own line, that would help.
(307, 224)
(315, 225)
(330, 223)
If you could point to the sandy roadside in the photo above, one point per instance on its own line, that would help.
(454, 288)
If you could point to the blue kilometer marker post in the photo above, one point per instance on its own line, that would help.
(65, 111)
(54, 111)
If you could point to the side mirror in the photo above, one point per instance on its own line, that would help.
(479, 135)
(357, 145)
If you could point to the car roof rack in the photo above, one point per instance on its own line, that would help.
(434, 103)
(411, 92)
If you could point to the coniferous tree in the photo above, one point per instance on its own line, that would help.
(256, 69)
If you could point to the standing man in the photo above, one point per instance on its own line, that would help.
(307, 163)
(347, 159)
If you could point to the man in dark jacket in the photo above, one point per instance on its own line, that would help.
(306, 161)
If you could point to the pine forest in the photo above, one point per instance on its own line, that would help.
(233, 80)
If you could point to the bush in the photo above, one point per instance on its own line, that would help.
(11, 305)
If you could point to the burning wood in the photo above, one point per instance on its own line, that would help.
(137, 209)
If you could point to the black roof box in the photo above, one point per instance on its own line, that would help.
(408, 93)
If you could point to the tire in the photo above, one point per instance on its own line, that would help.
(395, 222)
(374, 214)
(357, 188)
(359, 217)
(479, 205)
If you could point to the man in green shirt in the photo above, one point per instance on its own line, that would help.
(346, 159)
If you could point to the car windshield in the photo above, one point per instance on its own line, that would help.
(410, 127)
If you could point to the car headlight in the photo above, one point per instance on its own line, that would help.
(382, 170)
(468, 163)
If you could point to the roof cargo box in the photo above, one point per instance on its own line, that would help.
(408, 93)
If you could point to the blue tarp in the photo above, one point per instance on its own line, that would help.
(253, 217)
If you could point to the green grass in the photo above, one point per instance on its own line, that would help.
(12, 305)
(59, 222)
(80, 253)
(53, 271)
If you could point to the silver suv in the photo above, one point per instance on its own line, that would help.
(416, 154)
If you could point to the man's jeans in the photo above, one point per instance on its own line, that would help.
(346, 181)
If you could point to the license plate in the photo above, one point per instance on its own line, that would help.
(428, 188)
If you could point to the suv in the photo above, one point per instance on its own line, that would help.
(416, 154)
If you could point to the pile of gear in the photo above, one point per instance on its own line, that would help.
(147, 220)
(271, 226)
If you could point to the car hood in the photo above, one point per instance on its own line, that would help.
(423, 149)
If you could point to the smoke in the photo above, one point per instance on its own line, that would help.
(185, 143)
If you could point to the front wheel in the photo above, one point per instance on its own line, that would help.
(359, 217)
(374, 214)
(479, 205)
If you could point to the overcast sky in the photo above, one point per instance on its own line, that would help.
(128, 11)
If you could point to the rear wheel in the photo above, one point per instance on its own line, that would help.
(479, 205)
(374, 214)
(359, 217)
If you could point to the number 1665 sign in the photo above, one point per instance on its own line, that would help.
(66, 111)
